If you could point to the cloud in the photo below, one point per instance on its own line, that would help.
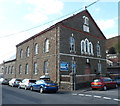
(106, 24)
(89, 0)
(42, 9)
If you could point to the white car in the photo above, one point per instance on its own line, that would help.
(14, 82)
(1, 80)
(26, 83)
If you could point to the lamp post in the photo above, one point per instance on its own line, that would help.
(73, 74)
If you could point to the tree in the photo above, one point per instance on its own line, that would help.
(117, 47)
(112, 50)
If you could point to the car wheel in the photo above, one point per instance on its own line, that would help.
(41, 90)
(19, 87)
(25, 87)
(104, 88)
(31, 88)
(12, 85)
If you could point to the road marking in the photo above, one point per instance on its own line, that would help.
(107, 98)
(74, 94)
(81, 94)
(97, 96)
(88, 95)
(116, 99)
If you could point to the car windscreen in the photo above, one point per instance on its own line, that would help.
(18, 80)
(97, 80)
(32, 81)
(48, 81)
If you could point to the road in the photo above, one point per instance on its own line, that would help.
(13, 95)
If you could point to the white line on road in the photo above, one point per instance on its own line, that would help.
(107, 98)
(117, 100)
(74, 94)
(81, 94)
(97, 96)
(88, 95)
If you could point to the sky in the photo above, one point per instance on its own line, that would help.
(21, 19)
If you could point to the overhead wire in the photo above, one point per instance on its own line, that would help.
(48, 22)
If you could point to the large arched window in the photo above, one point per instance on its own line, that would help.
(46, 45)
(86, 46)
(90, 48)
(82, 47)
(72, 44)
(36, 48)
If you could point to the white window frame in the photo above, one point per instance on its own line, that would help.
(98, 49)
(46, 45)
(20, 69)
(86, 24)
(72, 44)
(82, 47)
(91, 48)
(21, 53)
(46, 66)
(36, 49)
(35, 68)
(86, 46)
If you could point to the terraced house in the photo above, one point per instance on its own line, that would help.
(72, 51)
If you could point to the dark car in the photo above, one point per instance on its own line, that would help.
(103, 83)
(44, 86)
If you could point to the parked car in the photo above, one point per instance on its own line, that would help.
(1, 80)
(103, 83)
(117, 79)
(14, 82)
(44, 86)
(6, 81)
(26, 83)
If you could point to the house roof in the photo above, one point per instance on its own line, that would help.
(9, 61)
(58, 23)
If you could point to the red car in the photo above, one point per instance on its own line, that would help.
(103, 83)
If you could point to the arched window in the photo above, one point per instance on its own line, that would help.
(98, 49)
(86, 46)
(46, 45)
(35, 68)
(36, 49)
(21, 53)
(90, 48)
(27, 52)
(12, 70)
(9, 69)
(82, 47)
(72, 44)
(26, 69)
(20, 69)
(86, 24)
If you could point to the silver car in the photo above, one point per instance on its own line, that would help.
(14, 82)
(26, 83)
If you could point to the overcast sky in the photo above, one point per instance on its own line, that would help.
(20, 15)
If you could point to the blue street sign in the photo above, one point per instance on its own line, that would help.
(64, 66)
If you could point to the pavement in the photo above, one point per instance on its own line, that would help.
(61, 91)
